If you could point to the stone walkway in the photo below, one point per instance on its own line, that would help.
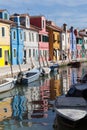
(6, 71)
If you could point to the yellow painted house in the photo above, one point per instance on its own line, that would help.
(4, 38)
(54, 40)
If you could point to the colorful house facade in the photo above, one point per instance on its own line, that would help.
(65, 43)
(43, 45)
(4, 38)
(54, 41)
(31, 35)
(17, 40)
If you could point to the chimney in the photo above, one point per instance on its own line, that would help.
(71, 29)
(65, 27)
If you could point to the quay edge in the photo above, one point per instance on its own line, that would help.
(6, 71)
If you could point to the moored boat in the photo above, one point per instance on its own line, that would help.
(7, 84)
(28, 76)
(72, 107)
(71, 110)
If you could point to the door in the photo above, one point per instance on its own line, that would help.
(6, 54)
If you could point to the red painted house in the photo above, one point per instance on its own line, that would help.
(43, 45)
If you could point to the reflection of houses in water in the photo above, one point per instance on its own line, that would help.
(55, 87)
(45, 90)
(5, 108)
(74, 76)
(65, 79)
(19, 107)
(37, 97)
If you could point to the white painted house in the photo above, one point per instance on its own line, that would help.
(30, 40)
(65, 42)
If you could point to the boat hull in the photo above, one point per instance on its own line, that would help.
(8, 85)
(71, 110)
(27, 80)
(70, 123)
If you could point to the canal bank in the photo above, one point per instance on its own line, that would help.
(8, 71)
(31, 107)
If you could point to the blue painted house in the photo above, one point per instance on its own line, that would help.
(17, 40)
(72, 44)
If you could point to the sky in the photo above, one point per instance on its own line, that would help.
(71, 12)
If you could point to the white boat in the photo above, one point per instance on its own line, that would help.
(71, 109)
(46, 70)
(7, 84)
(28, 76)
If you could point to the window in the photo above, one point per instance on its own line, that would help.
(44, 38)
(14, 35)
(21, 35)
(37, 52)
(0, 52)
(24, 36)
(36, 37)
(29, 36)
(5, 16)
(14, 52)
(40, 38)
(24, 53)
(29, 52)
(58, 38)
(33, 52)
(3, 31)
(63, 37)
(43, 23)
(32, 37)
(27, 22)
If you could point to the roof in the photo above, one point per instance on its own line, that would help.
(6, 21)
(21, 15)
(34, 27)
(52, 26)
(37, 16)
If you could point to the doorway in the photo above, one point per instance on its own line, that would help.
(6, 54)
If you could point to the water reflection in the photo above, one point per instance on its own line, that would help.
(32, 105)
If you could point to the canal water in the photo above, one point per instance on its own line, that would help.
(30, 107)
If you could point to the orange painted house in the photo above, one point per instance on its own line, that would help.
(54, 40)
